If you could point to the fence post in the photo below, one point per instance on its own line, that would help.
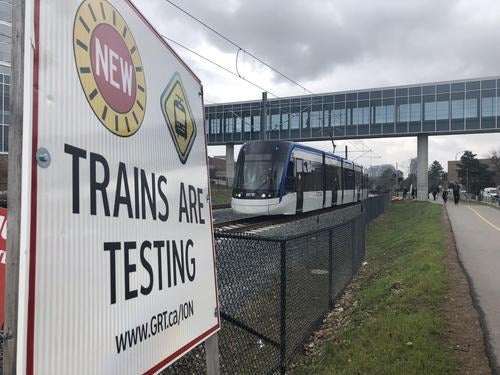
(283, 309)
(330, 268)
(212, 355)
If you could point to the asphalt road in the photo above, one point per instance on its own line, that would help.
(477, 234)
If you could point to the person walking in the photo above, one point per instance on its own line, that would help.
(434, 193)
(456, 193)
(445, 195)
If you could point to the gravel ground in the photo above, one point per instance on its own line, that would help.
(227, 214)
(308, 224)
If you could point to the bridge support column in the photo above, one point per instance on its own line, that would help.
(422, 165)
(229, 164)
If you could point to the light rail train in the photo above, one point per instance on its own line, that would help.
(286, 178)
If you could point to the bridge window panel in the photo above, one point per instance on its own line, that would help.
(472, 85)
(443, 112)
(389, 93)
(246, 122)
(295, 117)
(339, 119)
(415, 91)
(317, 120)
(489, 84)
(457, 111)
(356, 116)
(256, 126)
(305, 131)
(237, 124)
(471, 108)
(294, 120)
(472, 101)
(429, 110)
(429, 123)
(351, 97)
(351, 128)
(363, 95)
(442, 89)
(327, 115)
(429, 90)
(380, 114)
(375, 116)
(339, 98)
(402, 115)
(390, 116)
(415, 124)
(275, 120)
(442, 108)
(457, 87)
(363, 117)
(228, 124)
(375, 95)
(402, 92)
(488, 109)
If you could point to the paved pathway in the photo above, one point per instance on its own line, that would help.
(477, 234)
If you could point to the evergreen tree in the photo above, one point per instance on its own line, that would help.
(472, 174)
(435, 175)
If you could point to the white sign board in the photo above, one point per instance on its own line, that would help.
(121, 257)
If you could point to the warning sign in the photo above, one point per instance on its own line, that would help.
(178, 116)
(120, 263)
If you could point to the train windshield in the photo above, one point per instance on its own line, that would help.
(258, 173)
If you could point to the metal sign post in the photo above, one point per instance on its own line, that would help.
(14, 188)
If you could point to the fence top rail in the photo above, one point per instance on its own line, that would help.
(280, 239)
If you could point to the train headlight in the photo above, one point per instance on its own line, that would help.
(263, 195)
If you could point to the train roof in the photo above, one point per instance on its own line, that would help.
(310, 149)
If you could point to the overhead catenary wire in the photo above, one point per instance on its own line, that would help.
(230, 41)
(218, 65)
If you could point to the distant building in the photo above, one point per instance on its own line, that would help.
(453, 170)
(217, 168)
(413, 166)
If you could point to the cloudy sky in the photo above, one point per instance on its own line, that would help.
(333, 45)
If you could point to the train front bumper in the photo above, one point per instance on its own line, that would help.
(271, 206)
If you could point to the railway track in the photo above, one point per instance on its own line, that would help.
(253, 223)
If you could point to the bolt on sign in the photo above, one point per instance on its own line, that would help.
(121, 270)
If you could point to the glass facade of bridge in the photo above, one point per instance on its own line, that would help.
(439, 108)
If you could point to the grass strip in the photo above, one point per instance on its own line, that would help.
(220, 194)
(396, 323)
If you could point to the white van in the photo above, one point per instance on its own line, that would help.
(490, 192)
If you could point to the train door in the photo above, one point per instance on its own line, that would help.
(335, 185)
(299, 180)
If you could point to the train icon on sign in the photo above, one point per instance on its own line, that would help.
(178, 117)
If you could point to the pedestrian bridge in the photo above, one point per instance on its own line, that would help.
(452, 107)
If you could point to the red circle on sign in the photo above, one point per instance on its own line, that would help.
(113, 69)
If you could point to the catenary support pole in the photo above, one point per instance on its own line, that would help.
(422, 166)
(14, 188)
(212, 355)
(263, 118)
(229, 164)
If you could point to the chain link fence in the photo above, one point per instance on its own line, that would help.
(275, 288)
